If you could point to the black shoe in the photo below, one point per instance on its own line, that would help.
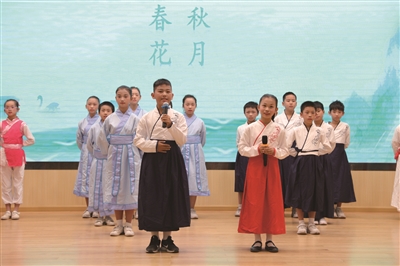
(169, 246)
(255, 247)
(154, 245)
(272, 249)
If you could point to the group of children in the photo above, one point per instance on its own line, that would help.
(152, 162)
(291, 160)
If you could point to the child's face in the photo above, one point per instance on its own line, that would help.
(92, 105)
(105, 111)
(135, 96)
(162, 94)
(189, 106)
(308, 115)
(290, 102)
(251, 114)
(336, 115)
(267, 108)
(319, 115)
(123, 99)
(11, 109)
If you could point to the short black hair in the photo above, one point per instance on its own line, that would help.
(288, 93)
(319, 105)
(307, 104)
(160, 82)
(107, 103)
(336, 105)
(250, 104)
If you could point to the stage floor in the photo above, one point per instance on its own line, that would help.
(64, 238)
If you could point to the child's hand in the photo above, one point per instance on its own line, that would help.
(165, 118)
(266, 149)
(162, 147)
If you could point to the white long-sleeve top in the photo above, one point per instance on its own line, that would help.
(342, 134)
(288, 124)
(311, 141)
(150, 130)
(239, 132)
(252, 137)
(329, 134)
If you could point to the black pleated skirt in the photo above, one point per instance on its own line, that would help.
(343, 189)
(305, 188)
(163, 191)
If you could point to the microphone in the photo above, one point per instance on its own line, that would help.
(265, 142)
(165, 108)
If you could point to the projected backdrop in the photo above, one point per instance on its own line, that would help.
(57, 54)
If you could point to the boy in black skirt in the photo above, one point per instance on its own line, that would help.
(163, 187)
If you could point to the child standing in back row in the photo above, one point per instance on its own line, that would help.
(289, 119)
(250, 110)
(121, 180)
(164, 193)
(97, 170)
(81, 188)
(262, 209)
(13, 159)
(193, 153)
(343, 190)
(327, 167)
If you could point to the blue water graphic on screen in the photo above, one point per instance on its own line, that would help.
(56, 54)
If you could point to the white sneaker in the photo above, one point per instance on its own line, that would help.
(193, 214)
(315, 222)
(118, 230)
(109, 221)
(340, 213)
(15, 215)
(136, 214)
(99, 221)
(323, 221)
(86, 214)
(301, 229)
(312, 229)
(128, 231)
(237, 213)
(95, 215)
(6, 215)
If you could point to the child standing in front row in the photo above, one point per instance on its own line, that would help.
(193, 153)
(12, 131)
(97, 169)
(343, 190)
(396, 186)
(328, 209)
(81, 188)
(250, 110)
(163, 193)
(305, 190)
(262, 206)
(289, 119)
(121, 180)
